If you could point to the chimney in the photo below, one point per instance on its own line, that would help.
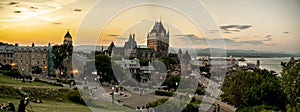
(32, 45)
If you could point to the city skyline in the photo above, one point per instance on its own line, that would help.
(251, 25)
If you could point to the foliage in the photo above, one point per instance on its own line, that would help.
(144, 61)
(174, 106)
(61, 52)
(200, 91)
(291, 80)
(36, 70)
(5, 67)
(50, 83)
(206, 69)
(13, 73)
(104, 68)
(156, 103)
(260, 108)
(163, 93)
(170, 82)
(289, 108)
(74, 96)
(170, 62)
(191, 107)
(252, 89)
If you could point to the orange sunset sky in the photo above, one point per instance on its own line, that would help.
(271, 25)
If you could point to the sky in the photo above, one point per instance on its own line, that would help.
(269, 25)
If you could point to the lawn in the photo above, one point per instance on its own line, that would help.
(55, 106)
(7, 80)
(52, 106)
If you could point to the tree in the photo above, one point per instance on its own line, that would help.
(291, 80)
(5, 67)
(206, 69)
(248, 89)
(144, 61)
(104, 68)
(36, 70)
(61, 52)
(171, 81)
(170, 62)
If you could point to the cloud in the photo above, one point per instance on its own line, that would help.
(227, 32)
(106, 40)
(271, 44)
(213, 31)
(77, 10)
(190, 37)
(235, 28)
(268, 38)
(286, 32)
(112, 35)
(122, 38)
(56, 23)
(243, 27)
(33, 7)
(44, 8)
(231, 42)
(13, 3)
(17, 11)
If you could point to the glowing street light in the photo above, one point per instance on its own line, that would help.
(13, 64)
(75, 71)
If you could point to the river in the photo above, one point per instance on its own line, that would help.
(269, 63)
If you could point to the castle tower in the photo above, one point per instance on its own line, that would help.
(158, 38)
(130, 44)
(68, 39)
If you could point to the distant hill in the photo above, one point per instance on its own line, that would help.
(247, 53)
(207, 51)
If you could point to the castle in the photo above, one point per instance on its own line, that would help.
(157, 45)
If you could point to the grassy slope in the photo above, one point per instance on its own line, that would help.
(6, 80)
(54, 106)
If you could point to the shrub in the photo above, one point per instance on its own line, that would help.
(74, 96)
(156, 103)
(163, 93)
(200, 91)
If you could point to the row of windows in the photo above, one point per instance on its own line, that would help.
(5, 55)
(32, 55)
(7, 61)
(38, 62)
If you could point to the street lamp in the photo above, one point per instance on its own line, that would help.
(176, 88)
(85, 83)
(45, 68)
(22, 71)
(23, 78)
(13, 64)
(112, 97)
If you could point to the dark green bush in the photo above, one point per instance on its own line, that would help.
(74, 96)
(163, 93)
(200, 91)
(156, 103)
